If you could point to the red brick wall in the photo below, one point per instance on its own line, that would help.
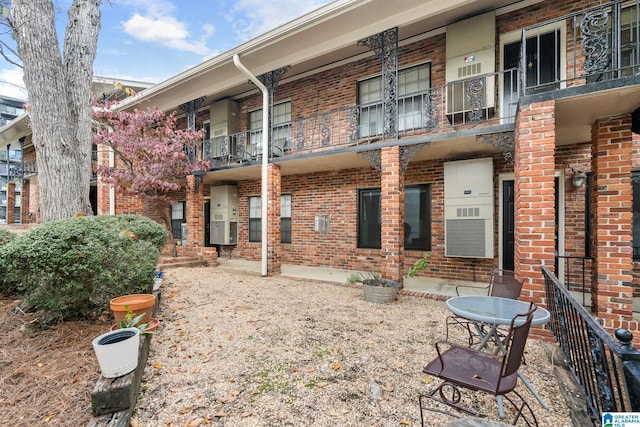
(11, 203)
(613, 197)
(534, 200)
(25, 202)
(336, 194)
(274, 248)
(392, 230)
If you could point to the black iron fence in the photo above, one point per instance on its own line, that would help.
(576, 275)
(607, 370)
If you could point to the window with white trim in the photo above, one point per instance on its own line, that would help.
(413, 83)
(280, 128)
(285, 218)
(255, 219)
(178, 217)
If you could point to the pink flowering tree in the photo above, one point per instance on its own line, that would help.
(151, 155)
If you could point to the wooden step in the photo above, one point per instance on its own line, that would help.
(181, 261)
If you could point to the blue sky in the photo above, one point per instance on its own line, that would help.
(152, 40)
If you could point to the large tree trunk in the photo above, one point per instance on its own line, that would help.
(59, 96)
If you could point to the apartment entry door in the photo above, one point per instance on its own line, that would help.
(508, 235)
(508, 213)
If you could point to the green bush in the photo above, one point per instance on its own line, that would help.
(6, 236)
(71, 268)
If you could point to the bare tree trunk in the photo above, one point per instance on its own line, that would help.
(59, 95)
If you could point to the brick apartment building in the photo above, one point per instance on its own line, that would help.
(492, 133)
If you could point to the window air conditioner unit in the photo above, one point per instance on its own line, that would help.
(224, 215)
(470, 66)
(468, 208)
(224, 117)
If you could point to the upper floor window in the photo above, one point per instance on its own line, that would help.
(412, 84)
(280, 129)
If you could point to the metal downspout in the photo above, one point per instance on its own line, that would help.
(265, 155)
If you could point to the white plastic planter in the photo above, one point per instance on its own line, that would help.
(117, 351)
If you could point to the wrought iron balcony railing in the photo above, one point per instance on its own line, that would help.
(440, 109)
(601, 43)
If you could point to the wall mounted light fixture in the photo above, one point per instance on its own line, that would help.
(579, 178)
(199, 176)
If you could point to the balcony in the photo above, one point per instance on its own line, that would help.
(589, 61)
(470, 102)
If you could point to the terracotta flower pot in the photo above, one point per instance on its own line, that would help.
(136, 303)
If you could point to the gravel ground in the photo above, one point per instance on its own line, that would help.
(236, 349)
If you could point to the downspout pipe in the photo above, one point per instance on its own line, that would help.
(265, 155)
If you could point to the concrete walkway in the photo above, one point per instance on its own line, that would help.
(427, 285)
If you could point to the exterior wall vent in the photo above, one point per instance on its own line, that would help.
(468, 208)
(224, 215)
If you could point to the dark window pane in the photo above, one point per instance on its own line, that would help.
(255, 230)
(369, 218)
(285, 230)
(178, 217)
(417, 217)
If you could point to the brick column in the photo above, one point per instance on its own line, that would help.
(195, 217)
(11, 202)
(34, 201)
(392, 232)
(534, 196)
(25, 199)
(274, 247)
(104, 189)
(612, 196)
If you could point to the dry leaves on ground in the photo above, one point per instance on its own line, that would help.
(239, 350)
(46, 376)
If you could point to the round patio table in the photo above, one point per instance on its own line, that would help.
(494, 310)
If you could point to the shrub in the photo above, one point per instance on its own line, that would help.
(6, 236)
(142, 227)
(71, 268)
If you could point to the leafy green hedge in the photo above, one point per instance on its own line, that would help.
(71, 268)
(6, 236)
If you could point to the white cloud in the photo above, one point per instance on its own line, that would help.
(254, 17)
(11, 83)
(156, 26)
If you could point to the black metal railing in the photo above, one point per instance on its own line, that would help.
(604, 368)
(29, 168)
(440, 109)
(576, 274)
(601, 44)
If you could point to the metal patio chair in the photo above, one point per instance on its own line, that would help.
(503, 284)
(462, 367)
